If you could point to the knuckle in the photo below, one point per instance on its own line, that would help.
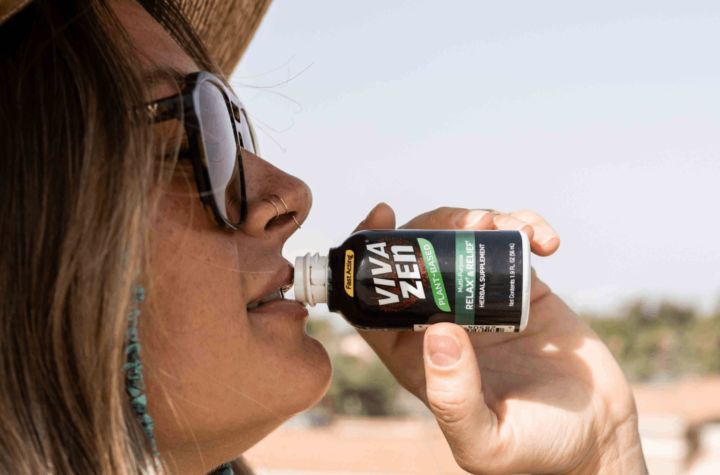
(501, 220)
(435, 217)
(525, 212)
(430, 216)
(448, 408)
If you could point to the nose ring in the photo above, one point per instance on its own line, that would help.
(277, 210)
(287, 210)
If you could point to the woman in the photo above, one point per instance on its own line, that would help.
(115, 123)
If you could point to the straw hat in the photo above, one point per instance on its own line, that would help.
(225, 26)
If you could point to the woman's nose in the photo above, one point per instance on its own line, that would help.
(278, 203)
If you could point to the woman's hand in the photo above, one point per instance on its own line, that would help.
(548, 400)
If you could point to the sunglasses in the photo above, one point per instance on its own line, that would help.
(216, 128)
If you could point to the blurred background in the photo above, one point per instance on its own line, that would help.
(604, 118)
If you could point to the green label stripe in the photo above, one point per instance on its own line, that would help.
(432, 265)
(465, 277)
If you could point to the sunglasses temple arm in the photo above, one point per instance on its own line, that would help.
(167, 109)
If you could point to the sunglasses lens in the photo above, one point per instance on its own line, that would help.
(221, 152)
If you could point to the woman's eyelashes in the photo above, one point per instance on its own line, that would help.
(184, 151)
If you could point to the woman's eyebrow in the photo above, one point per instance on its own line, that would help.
(163, 75)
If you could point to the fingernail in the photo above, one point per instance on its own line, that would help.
(471, 218)
(547, 240)
(444, 350)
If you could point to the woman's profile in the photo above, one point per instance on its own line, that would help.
(140, 267)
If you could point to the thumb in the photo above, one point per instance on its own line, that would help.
(382, 216)
(455, 396)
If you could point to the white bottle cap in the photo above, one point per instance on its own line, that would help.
(311, 279)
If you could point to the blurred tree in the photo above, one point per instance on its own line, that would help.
(662, 341)
(361, 385)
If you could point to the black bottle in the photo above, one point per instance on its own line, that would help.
(409, 279)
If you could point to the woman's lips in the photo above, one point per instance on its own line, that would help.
(281, 281)
(278, 294)
(281, 308)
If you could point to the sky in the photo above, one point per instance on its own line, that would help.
(603, 117)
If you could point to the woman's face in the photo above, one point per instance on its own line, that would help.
(220, 377)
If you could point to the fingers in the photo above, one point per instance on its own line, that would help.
(455, 396)
(452, 218)
(545, 240)
(381, 216)
(508, 222)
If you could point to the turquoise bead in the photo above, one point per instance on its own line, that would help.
(134, 383)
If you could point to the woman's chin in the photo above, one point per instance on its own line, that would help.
(316, 371)
(299, 361)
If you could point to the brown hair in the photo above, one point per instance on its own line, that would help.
(76, 167)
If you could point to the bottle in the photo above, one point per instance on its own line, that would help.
(409, 279)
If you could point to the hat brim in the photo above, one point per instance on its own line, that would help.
(225, 26)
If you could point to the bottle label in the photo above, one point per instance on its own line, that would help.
(410, 279)
(349, 273)
(465, 278)
(437, 286)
